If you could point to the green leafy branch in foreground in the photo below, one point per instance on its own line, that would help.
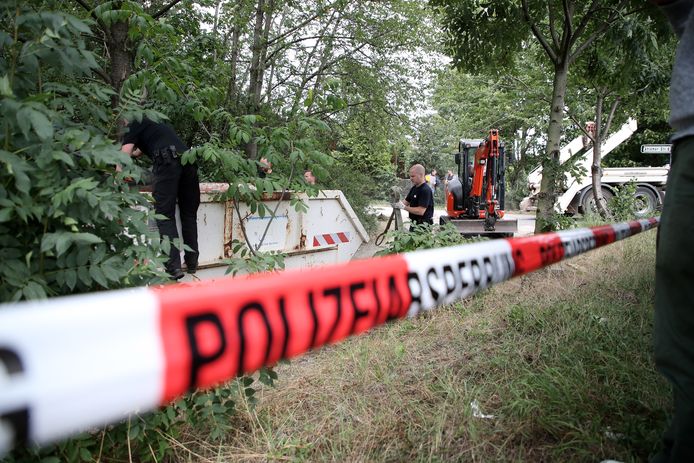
(68, 222)
(425, 237)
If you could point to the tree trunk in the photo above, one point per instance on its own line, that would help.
(121, 58)
(232, 88)
(600, 136)
(550, 164)
(215, 24)
(306, 76)
(255, 81)
(595, 168)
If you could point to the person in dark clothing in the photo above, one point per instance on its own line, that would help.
(673, 332)
(419, 202)
(173, 182)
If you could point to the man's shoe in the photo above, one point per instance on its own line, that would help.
(176, 274)
(191, 268)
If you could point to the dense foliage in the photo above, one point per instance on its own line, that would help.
(68, 221)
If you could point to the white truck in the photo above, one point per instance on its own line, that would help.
(578, 196)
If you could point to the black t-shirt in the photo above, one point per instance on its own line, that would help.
(152, 136)
(421, 196)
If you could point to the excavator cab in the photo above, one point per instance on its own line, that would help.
(475, 198)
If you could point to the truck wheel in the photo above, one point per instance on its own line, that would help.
(646, 202)
(588, 203)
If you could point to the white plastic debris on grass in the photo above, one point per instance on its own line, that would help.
(476, 412)
(613, 435)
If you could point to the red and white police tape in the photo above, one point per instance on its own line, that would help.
(74, 363)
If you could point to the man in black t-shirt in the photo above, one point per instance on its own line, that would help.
(419, 202)
(172, 181)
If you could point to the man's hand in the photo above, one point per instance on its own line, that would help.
(399, 205)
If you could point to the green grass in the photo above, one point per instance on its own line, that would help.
(561, 358)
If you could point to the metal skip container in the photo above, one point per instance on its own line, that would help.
(327, 231)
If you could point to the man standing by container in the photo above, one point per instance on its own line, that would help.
(420, 200)
(674, 292)
(173, 182)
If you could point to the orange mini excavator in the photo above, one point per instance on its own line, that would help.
(475, 198)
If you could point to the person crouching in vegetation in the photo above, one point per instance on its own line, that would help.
(173, 182)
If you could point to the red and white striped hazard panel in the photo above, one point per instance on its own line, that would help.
(329, 239)
(74, 363)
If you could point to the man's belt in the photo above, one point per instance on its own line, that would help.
(166, 154)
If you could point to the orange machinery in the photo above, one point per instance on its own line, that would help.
(475, 198)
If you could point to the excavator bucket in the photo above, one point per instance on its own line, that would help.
(474, 227)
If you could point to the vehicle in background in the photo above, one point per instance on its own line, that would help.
(475, 198)
(578, 196)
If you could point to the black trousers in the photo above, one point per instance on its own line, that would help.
(674, 302)
(175, 182)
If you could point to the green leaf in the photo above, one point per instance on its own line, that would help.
(42, 126)
(309, 99)
(64, 157)
(86, 455)
(86, 238)
(5, 88)
(83, 275)
(5, 215)
(71, 278)
(62, 243)
(134, 432)
(17, 167)
(98, 275)
(34, 290)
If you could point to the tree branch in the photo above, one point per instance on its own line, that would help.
(567, 33)
(164, 10)
(613, 109)
(538, 35)
(93, 15)
(584, 23)
(610, 20)
(568, 15)
(329, 112)
(100, 72)
(552, 30)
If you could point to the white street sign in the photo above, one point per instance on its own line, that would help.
(656, 149)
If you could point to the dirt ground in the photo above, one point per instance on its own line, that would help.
(369, 248)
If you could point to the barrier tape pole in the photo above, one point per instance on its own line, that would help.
(78, 362)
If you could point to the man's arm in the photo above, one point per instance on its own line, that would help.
(426, 196)
(416, 210)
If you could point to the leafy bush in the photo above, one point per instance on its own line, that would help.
(68, 222)
(423, 237)
(557, 221)
(623, 205)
